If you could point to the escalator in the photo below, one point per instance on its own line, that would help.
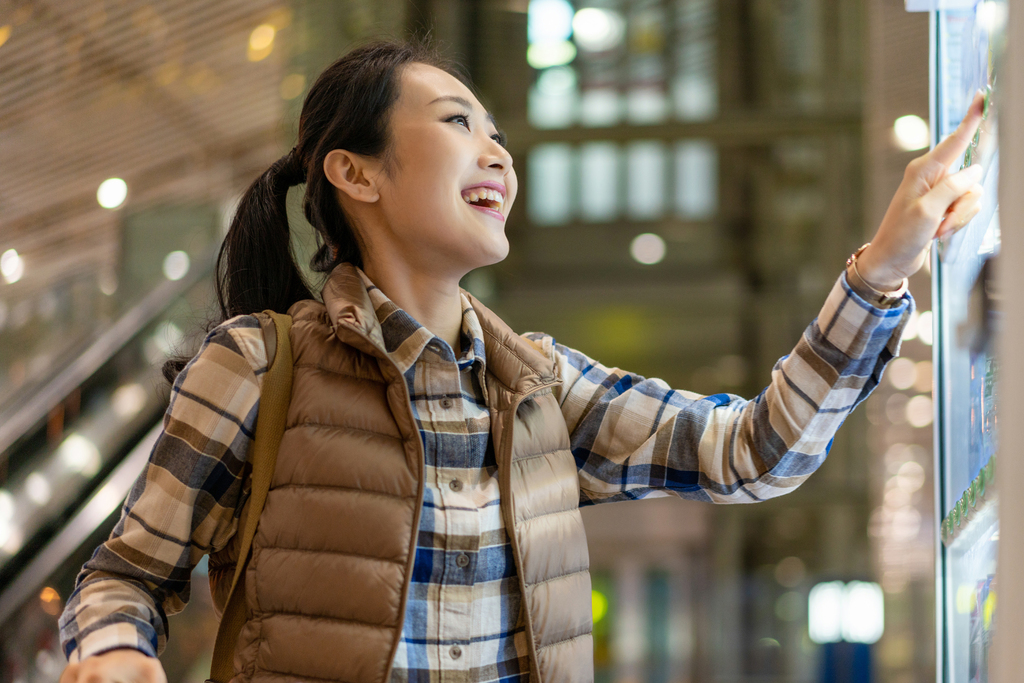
(72, 442)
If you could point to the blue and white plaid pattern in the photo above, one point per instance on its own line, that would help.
(464, 592)
(630, 436)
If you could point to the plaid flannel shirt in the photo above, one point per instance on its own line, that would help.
(630, 436)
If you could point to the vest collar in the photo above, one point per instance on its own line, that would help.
(350, 311)
(517, 364)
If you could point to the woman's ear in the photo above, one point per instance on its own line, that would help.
(354, 174)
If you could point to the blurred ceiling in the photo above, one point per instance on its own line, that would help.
(168, 95)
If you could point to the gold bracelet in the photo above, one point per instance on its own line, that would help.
(883, 298)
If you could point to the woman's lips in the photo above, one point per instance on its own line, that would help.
(491, 212)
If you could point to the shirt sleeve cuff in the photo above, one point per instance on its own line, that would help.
(112, 637)
(872, 295)
(858, 327)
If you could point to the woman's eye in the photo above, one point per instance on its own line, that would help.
(460, 119)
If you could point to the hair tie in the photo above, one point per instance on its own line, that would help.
(290, 169)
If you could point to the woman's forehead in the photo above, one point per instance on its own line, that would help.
(423, 84)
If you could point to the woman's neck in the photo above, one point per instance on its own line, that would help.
(431, 299)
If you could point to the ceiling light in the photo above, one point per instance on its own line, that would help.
(597, 30)
(79, 454)
(14, 536)
(262, 37)
(50, 599)
(128, 400)
(919, 411)
(261, 42)
(12, 266)
(544, 55)
(38, 489)
(176, 265)
(910, 476)
(548, 21)
(902, 373)
(292, 86)
(910, 331)
(911, 132)
(112, 193)
(863, 612)
(853, 612)
(167, 338)
(6, 506)
(647, 248)
(556, 81)
(924, 380)
(825, 612)
(924, 328)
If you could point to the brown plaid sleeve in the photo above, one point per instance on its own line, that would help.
(184, 505)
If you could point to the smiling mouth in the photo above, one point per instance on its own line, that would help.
(484, 198)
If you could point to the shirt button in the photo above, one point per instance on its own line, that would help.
(462, 560)
(455, 485)
(446, 403)
(455, 652)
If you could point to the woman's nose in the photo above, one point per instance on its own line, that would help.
(496, 156)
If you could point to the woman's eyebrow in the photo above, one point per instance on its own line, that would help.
(465, 103)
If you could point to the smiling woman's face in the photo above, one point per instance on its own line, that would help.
(451, 182)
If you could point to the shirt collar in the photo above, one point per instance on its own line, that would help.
(406, 340)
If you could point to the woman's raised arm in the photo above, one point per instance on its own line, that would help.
(631, 435)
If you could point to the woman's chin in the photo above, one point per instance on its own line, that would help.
(485, 248)
(496, 253)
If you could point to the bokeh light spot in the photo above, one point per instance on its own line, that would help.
(647, 248)
(911, 132)
(112, 193)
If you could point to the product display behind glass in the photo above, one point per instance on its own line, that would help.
(968, 45)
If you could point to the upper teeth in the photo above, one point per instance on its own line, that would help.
(477, 194)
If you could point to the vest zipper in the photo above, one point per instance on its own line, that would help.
(414, 536)
(505, 489)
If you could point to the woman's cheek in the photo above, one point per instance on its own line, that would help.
(512, 189)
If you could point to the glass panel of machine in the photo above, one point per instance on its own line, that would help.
(968, 52)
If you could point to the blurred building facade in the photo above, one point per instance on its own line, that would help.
(693, 175)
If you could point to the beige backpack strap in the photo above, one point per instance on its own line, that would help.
(275, 396)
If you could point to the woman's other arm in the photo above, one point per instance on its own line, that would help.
(183, 505)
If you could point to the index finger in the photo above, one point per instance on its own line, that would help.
(953, 147)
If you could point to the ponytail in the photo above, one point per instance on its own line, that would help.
(255, 268)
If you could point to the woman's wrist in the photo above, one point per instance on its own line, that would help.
(875, 277)
(867, 290)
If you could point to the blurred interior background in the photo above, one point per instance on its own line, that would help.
(693, 175)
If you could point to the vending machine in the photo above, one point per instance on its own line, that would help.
(967, 48)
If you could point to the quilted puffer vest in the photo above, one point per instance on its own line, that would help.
(332, 559)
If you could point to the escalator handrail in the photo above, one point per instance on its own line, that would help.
(20, 420)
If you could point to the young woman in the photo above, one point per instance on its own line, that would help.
(423, 523)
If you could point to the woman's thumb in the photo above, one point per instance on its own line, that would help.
(941, 197)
